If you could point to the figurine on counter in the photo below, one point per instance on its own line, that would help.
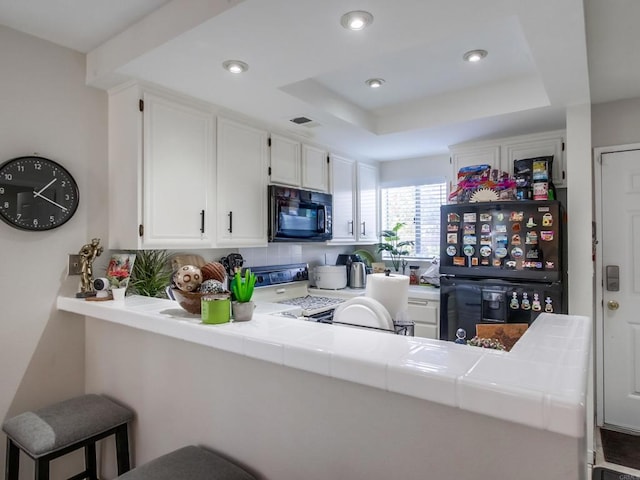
(88, 254)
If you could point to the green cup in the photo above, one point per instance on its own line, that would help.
(215, 309)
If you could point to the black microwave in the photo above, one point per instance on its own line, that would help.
(299, 215)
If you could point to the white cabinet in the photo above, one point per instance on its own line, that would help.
(539, 145)
(343, 189)
(501, 153)
(368, 203)
(315, 168)
(285, 161)
(298, 165)
(242, 154)
(464, 156)
(160, 170)
(426, 317)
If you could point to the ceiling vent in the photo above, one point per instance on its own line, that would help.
(305, 122)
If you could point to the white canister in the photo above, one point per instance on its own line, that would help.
(330, 277)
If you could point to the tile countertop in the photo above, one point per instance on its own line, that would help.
(540, 383)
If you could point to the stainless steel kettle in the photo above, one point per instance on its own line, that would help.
(358, 275)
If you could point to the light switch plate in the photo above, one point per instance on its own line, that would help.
(75, 266)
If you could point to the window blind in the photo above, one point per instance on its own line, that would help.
(418, 207)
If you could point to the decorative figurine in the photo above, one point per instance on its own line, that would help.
(88, 254)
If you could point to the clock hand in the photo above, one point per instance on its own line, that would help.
(37, 194)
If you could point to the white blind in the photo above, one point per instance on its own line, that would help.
(418, 207)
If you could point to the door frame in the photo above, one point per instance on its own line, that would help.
(599, 285)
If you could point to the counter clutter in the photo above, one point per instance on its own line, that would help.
(541, 383)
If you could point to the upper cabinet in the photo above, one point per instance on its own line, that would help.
(501, 153)
(160, 170)
(343, 190)
(356, 202)
(298, 165)
(315, 168)
(368, 203)
(285, 161)
(242, 185)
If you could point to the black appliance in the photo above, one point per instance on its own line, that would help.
(299, 215)
(501, 263)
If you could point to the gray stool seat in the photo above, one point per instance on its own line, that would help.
(55, 430)
(188, 463)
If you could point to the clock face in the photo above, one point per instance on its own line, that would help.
(36, 193)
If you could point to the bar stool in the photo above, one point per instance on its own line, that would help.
(188, 463)
(58, 429)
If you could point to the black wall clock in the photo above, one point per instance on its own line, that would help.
(36, 193)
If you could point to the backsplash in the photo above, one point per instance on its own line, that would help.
(283, 253)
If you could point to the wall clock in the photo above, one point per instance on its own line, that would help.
(36, 193)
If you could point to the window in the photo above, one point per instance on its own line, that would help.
(418, 207)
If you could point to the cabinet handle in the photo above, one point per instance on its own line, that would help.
(364, 228)
(350, 226)
(230, 222)
(202, 221)
(418, 302)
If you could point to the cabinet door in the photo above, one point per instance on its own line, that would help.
(425, 314)
(285, 161)
(177, 162)
(467, 156)
(315, 169)
(368, 203)
(343, 189)
(537, 147)
(242, 185)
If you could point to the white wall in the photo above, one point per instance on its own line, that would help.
(46, 108)
(615, 123)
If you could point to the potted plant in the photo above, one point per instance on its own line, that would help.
(242, 289)
(392, 244)
(151, 273)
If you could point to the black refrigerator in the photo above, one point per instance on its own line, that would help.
(500, 262)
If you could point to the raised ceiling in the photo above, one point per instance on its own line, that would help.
(303, 63)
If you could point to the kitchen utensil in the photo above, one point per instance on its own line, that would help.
(358, 275)
(330, 277)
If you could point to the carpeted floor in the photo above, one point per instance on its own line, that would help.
(621, 448)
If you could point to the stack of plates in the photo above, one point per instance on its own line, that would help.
(363, 312)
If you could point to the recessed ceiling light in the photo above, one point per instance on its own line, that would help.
(235, 66)
(356, 20)
(474, 55)
(375, 82)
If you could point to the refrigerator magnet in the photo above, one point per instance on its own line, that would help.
(452, 227)
(531, 223)
(452, 238)
(501, 252)
(485, 217)
(547, 220)
(470, 228)
(502, 228)
(452, 250)
(515, 227)
(486, 228)
(469, 240)
(546, 235)
(532, 238)
(517, 252)
(485, 239)
(468, 250)
(497, 262)
(458, 261)
(453, 218)
(516, 216)
(474, 261)
(485, 251)
(515, 239)
(469, 217)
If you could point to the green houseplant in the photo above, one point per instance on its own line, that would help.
(242, 289)
(394, 246)
(151, 273)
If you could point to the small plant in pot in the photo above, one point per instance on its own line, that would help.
(242, 288)
(395, 247)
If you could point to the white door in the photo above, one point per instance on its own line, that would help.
(621, 321)
(315, 169)
(343, 189)
(368, 203)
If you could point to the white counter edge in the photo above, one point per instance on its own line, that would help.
(541, 383)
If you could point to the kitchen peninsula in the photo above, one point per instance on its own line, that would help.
(290, 399)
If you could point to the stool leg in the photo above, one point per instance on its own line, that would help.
(42, 469)
(122, 448)
(90, 463)
(12, 462)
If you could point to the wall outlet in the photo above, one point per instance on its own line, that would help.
(75, 266)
